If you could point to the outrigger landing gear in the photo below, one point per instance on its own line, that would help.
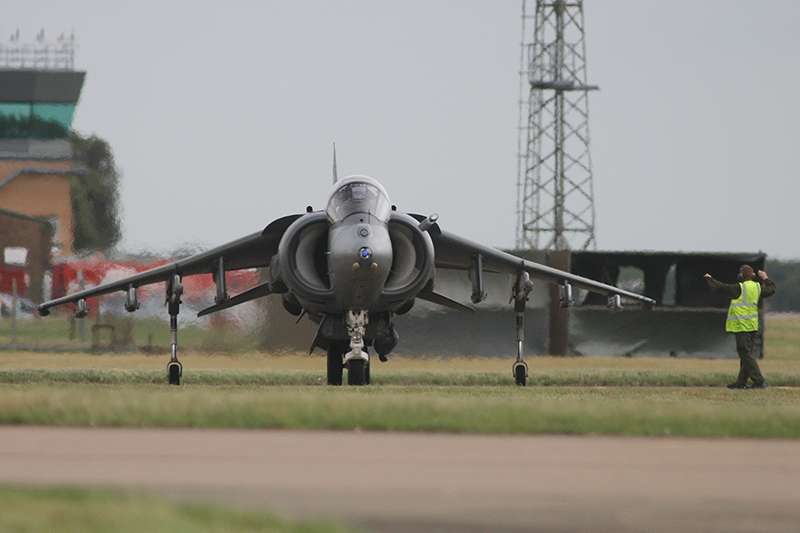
(174, 371)
(522, 289)
(520, 372)
(174, 292)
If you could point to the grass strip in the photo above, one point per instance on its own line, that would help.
(696, 412)
(249, 377)
(67, 510)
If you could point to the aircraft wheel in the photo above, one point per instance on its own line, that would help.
(356, 372)
(335, 364)
(366, 374)
(174, 373)
(520, 375)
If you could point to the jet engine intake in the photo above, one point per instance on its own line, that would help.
(301, 262)
(412, 260)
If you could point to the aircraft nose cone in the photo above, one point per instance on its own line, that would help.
(359, 260)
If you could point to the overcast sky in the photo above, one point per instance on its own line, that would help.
(222, 115)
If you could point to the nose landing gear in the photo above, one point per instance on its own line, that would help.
(357, 359)
(353, 355)
(357, 372)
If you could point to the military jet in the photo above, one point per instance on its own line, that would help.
(350, 268)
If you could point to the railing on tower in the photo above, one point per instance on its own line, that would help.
(39, 55)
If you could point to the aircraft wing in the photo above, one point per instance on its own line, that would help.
(456, 252)
(251, 251)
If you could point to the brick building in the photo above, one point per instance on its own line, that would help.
(43, 192)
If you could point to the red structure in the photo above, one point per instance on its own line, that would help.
(72, 276)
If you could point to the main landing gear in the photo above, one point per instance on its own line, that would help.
(336, 351)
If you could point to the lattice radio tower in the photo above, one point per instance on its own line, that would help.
(555, 200)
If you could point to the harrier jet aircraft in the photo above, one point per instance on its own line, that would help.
(350, 269)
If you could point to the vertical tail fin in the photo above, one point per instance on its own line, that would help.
(335, 177)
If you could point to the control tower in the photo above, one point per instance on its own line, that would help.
(39, 91)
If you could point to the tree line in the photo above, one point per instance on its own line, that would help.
(95, 195)
(786, 275)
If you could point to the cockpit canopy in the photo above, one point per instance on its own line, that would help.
(358, 194)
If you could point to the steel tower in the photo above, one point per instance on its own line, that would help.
(555, 200)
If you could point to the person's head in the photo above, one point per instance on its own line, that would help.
(746, 271)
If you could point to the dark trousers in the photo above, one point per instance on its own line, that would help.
(748, 364)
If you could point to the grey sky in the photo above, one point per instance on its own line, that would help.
(222, 114)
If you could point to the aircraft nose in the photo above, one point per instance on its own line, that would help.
(360, 259)
(364, 255)
(366, 239)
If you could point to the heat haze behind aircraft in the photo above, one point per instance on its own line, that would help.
(350, 269)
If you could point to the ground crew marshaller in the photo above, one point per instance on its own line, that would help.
(743, 320)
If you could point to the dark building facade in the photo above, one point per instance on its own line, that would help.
(25, 243)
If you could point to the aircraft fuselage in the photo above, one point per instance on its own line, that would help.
(359, 262)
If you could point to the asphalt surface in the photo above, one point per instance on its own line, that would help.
(393, 482)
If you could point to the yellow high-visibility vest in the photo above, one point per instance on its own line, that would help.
(743, 312)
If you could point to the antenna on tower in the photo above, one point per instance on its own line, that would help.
(555, 198)
(39, 55)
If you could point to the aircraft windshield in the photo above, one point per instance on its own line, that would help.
(362, 195)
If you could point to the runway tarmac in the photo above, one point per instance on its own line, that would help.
(398, 482)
